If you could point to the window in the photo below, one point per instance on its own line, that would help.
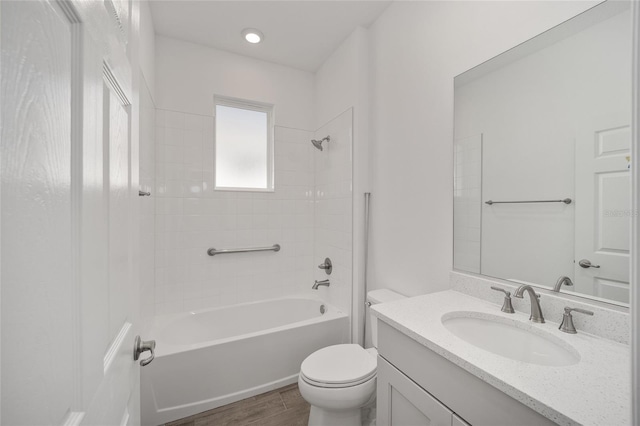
(243, 145)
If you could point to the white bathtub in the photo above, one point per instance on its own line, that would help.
(209, 358)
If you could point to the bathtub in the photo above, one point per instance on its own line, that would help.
(208, 358)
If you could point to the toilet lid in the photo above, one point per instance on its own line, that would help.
(339, 364)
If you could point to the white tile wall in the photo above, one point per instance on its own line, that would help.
(334, 208)
(191, 217)
(147, 204)
(467, 203)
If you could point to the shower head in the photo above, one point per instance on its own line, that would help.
(318, 144)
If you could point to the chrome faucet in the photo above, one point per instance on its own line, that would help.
(567, 320)
(536, 312)
(507, 307)
(562, 280)
(319, 283)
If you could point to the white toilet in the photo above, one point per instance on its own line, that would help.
(341, 379)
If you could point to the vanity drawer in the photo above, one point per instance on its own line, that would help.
(471, 398)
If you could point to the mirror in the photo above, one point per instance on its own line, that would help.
(542, 159)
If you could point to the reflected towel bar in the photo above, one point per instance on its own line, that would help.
(212, 251)
(566, 201)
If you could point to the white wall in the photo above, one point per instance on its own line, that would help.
(188, 75)
(341, 83)
(147, 50)
(416, 50)
(336, 82)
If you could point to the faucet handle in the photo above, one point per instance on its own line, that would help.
(327, 266)
(506, 293)
(568, 310)
(566, 325)
(507, 307)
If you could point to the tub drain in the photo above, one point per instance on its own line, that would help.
(322, 309)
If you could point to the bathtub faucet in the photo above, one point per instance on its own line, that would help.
(319, 283)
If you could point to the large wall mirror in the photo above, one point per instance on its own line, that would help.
(542, 159)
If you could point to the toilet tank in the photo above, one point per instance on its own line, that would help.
(380, 296)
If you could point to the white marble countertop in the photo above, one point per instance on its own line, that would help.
(594, 391)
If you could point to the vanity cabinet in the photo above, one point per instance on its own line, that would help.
(401, 402)
(417, 386)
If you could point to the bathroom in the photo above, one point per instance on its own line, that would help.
(375, 179)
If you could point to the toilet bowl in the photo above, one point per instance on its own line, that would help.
(339, 380)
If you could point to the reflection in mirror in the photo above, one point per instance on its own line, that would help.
(542, 165)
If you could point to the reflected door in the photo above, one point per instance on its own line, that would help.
(603, 209)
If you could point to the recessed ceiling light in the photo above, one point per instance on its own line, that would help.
(252, 35)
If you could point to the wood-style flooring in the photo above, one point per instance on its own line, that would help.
(280, 407)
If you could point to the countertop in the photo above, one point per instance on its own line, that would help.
(594, 391)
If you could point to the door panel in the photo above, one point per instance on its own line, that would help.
(603, 209)
(612, 192)
(120, 374)
(117, 125)
(69, 291)
(37, 278)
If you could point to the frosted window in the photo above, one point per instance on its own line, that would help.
(242, 148)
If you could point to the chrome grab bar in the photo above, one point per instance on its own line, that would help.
(212, 251)
(566, 201)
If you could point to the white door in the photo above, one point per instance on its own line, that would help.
(603, 209)
(69, 285)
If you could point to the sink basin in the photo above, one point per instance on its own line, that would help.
(510, 338)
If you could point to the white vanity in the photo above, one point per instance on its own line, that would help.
(432, 372)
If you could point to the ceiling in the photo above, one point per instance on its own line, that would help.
(301, 34)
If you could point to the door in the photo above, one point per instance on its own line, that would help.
(69, 285)
(401, 402)
(603, 208)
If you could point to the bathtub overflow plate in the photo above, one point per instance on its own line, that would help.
(323, 309)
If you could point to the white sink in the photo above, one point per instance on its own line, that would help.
(510, 338)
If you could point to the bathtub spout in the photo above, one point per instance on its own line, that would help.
(319, 283)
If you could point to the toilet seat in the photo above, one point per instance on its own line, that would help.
(339, 366)
(336, 385)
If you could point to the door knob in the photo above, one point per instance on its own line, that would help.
(587, 264)
(140, 346)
